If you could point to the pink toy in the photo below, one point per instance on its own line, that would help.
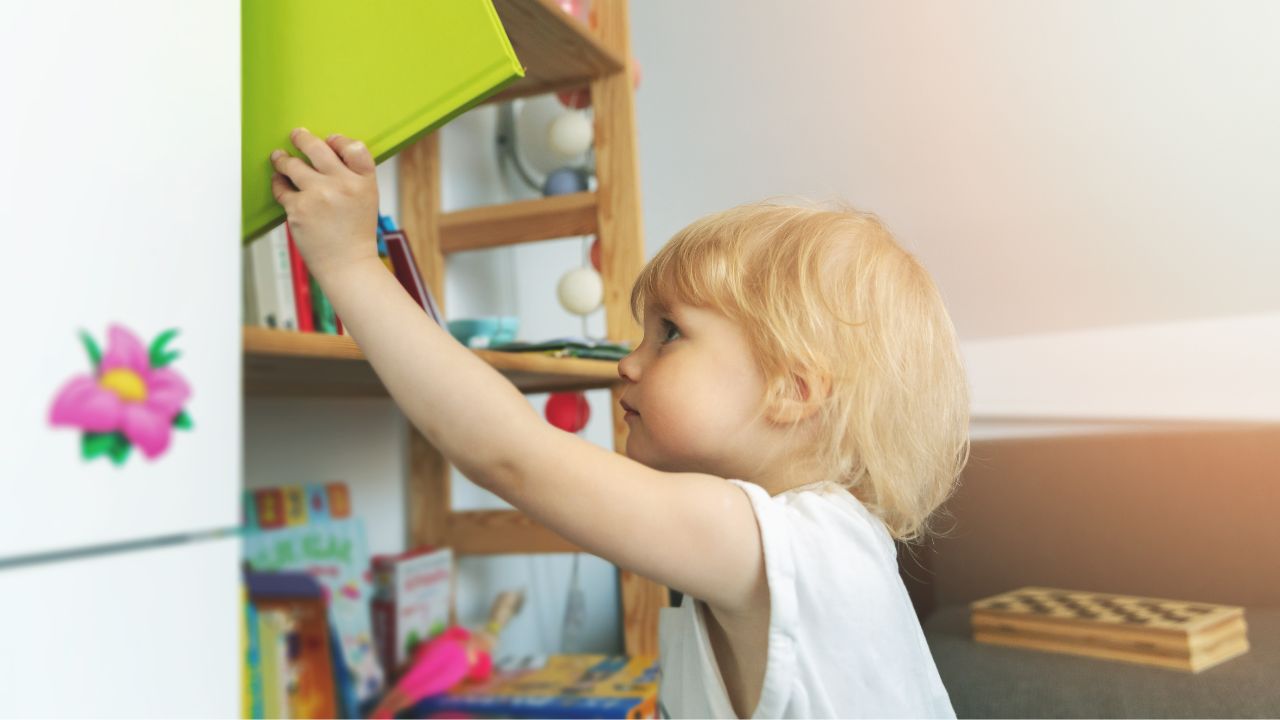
(455, 655)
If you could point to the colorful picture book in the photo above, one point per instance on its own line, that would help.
(399, 257)
(310, 528)
(411, 600)
(290, 665)
(559, 686)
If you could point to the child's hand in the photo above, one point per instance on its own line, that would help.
(332, 203)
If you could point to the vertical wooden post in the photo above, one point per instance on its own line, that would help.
(426, 493)
(621, 257)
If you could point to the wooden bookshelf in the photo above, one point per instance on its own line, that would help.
(287, 363)
(518, 222)
(546, 41)
(558, 51)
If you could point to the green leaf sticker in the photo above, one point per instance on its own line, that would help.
(94, 444)
(91, 346)
(159, 356)
(119, 449)
(183, 421)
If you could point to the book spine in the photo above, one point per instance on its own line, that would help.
(400, 264)
(264, 283)
(288, 316)
(428, 301)
(324, 317)
(251, 701)
(250, 295)
(301, 284)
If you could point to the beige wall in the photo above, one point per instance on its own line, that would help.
(1190, 515)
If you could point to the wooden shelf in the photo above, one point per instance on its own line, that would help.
(518, 222)
(558, 51)
(499, 532)
(286, 363)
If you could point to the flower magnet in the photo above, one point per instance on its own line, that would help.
(132, 397)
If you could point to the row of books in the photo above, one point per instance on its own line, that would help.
(279, 291)
(289, 668)
(302, 546)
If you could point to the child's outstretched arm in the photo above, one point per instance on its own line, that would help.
(694, 532)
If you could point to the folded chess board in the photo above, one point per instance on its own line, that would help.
(1174, 634)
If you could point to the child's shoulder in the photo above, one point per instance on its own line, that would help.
(825, 508)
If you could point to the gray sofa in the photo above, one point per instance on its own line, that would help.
(1183, 515)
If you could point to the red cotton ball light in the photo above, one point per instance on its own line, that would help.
(568, 411)
(595, 255)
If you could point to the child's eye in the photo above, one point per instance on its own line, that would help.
(669, 331)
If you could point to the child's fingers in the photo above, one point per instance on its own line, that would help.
(320, 154)
(353, 152)
(282, 189)
(293, 168)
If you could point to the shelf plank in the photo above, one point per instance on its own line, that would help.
(294, 364)
(518, 222)
(558, 51)
(499, 532)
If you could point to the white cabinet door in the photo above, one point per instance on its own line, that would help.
(121, 197)
(146, 633)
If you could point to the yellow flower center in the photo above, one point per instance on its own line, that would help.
(124, 383)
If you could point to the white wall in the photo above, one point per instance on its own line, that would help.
(1060, 167)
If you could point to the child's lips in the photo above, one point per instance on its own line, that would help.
(630, 411)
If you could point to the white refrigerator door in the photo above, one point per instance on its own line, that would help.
(121, 206)
(147, 633)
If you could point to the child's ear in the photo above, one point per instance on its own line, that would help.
(798, 397)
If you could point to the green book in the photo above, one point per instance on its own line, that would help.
(383, 71)
(324, 319)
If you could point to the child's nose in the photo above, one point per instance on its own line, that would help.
(629, 368)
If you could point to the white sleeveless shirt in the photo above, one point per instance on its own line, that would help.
(844, 640)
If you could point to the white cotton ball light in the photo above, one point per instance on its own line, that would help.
(533, 132)
(570, 134)
(581, 291)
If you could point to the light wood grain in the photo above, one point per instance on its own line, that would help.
(496, 532)
(287, 363)
(621, 233)
(426, 494)
(558, 51)
(642, 602)
(420, 209)
(518, 222)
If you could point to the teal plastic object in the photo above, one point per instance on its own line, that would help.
(382, 71)
(482, 332)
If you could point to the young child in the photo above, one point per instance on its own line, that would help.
(797, 404)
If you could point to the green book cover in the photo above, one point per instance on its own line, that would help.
(382, 71)
(322, 310)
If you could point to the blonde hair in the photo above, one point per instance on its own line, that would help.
(829, 293)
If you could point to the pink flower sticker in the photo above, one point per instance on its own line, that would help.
(131, 398)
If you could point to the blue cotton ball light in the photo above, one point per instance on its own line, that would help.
(564, 181)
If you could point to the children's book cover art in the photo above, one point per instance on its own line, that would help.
(332, 548)
(131, 397)
(562, 686)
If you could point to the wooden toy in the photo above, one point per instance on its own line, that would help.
(1175, 634)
